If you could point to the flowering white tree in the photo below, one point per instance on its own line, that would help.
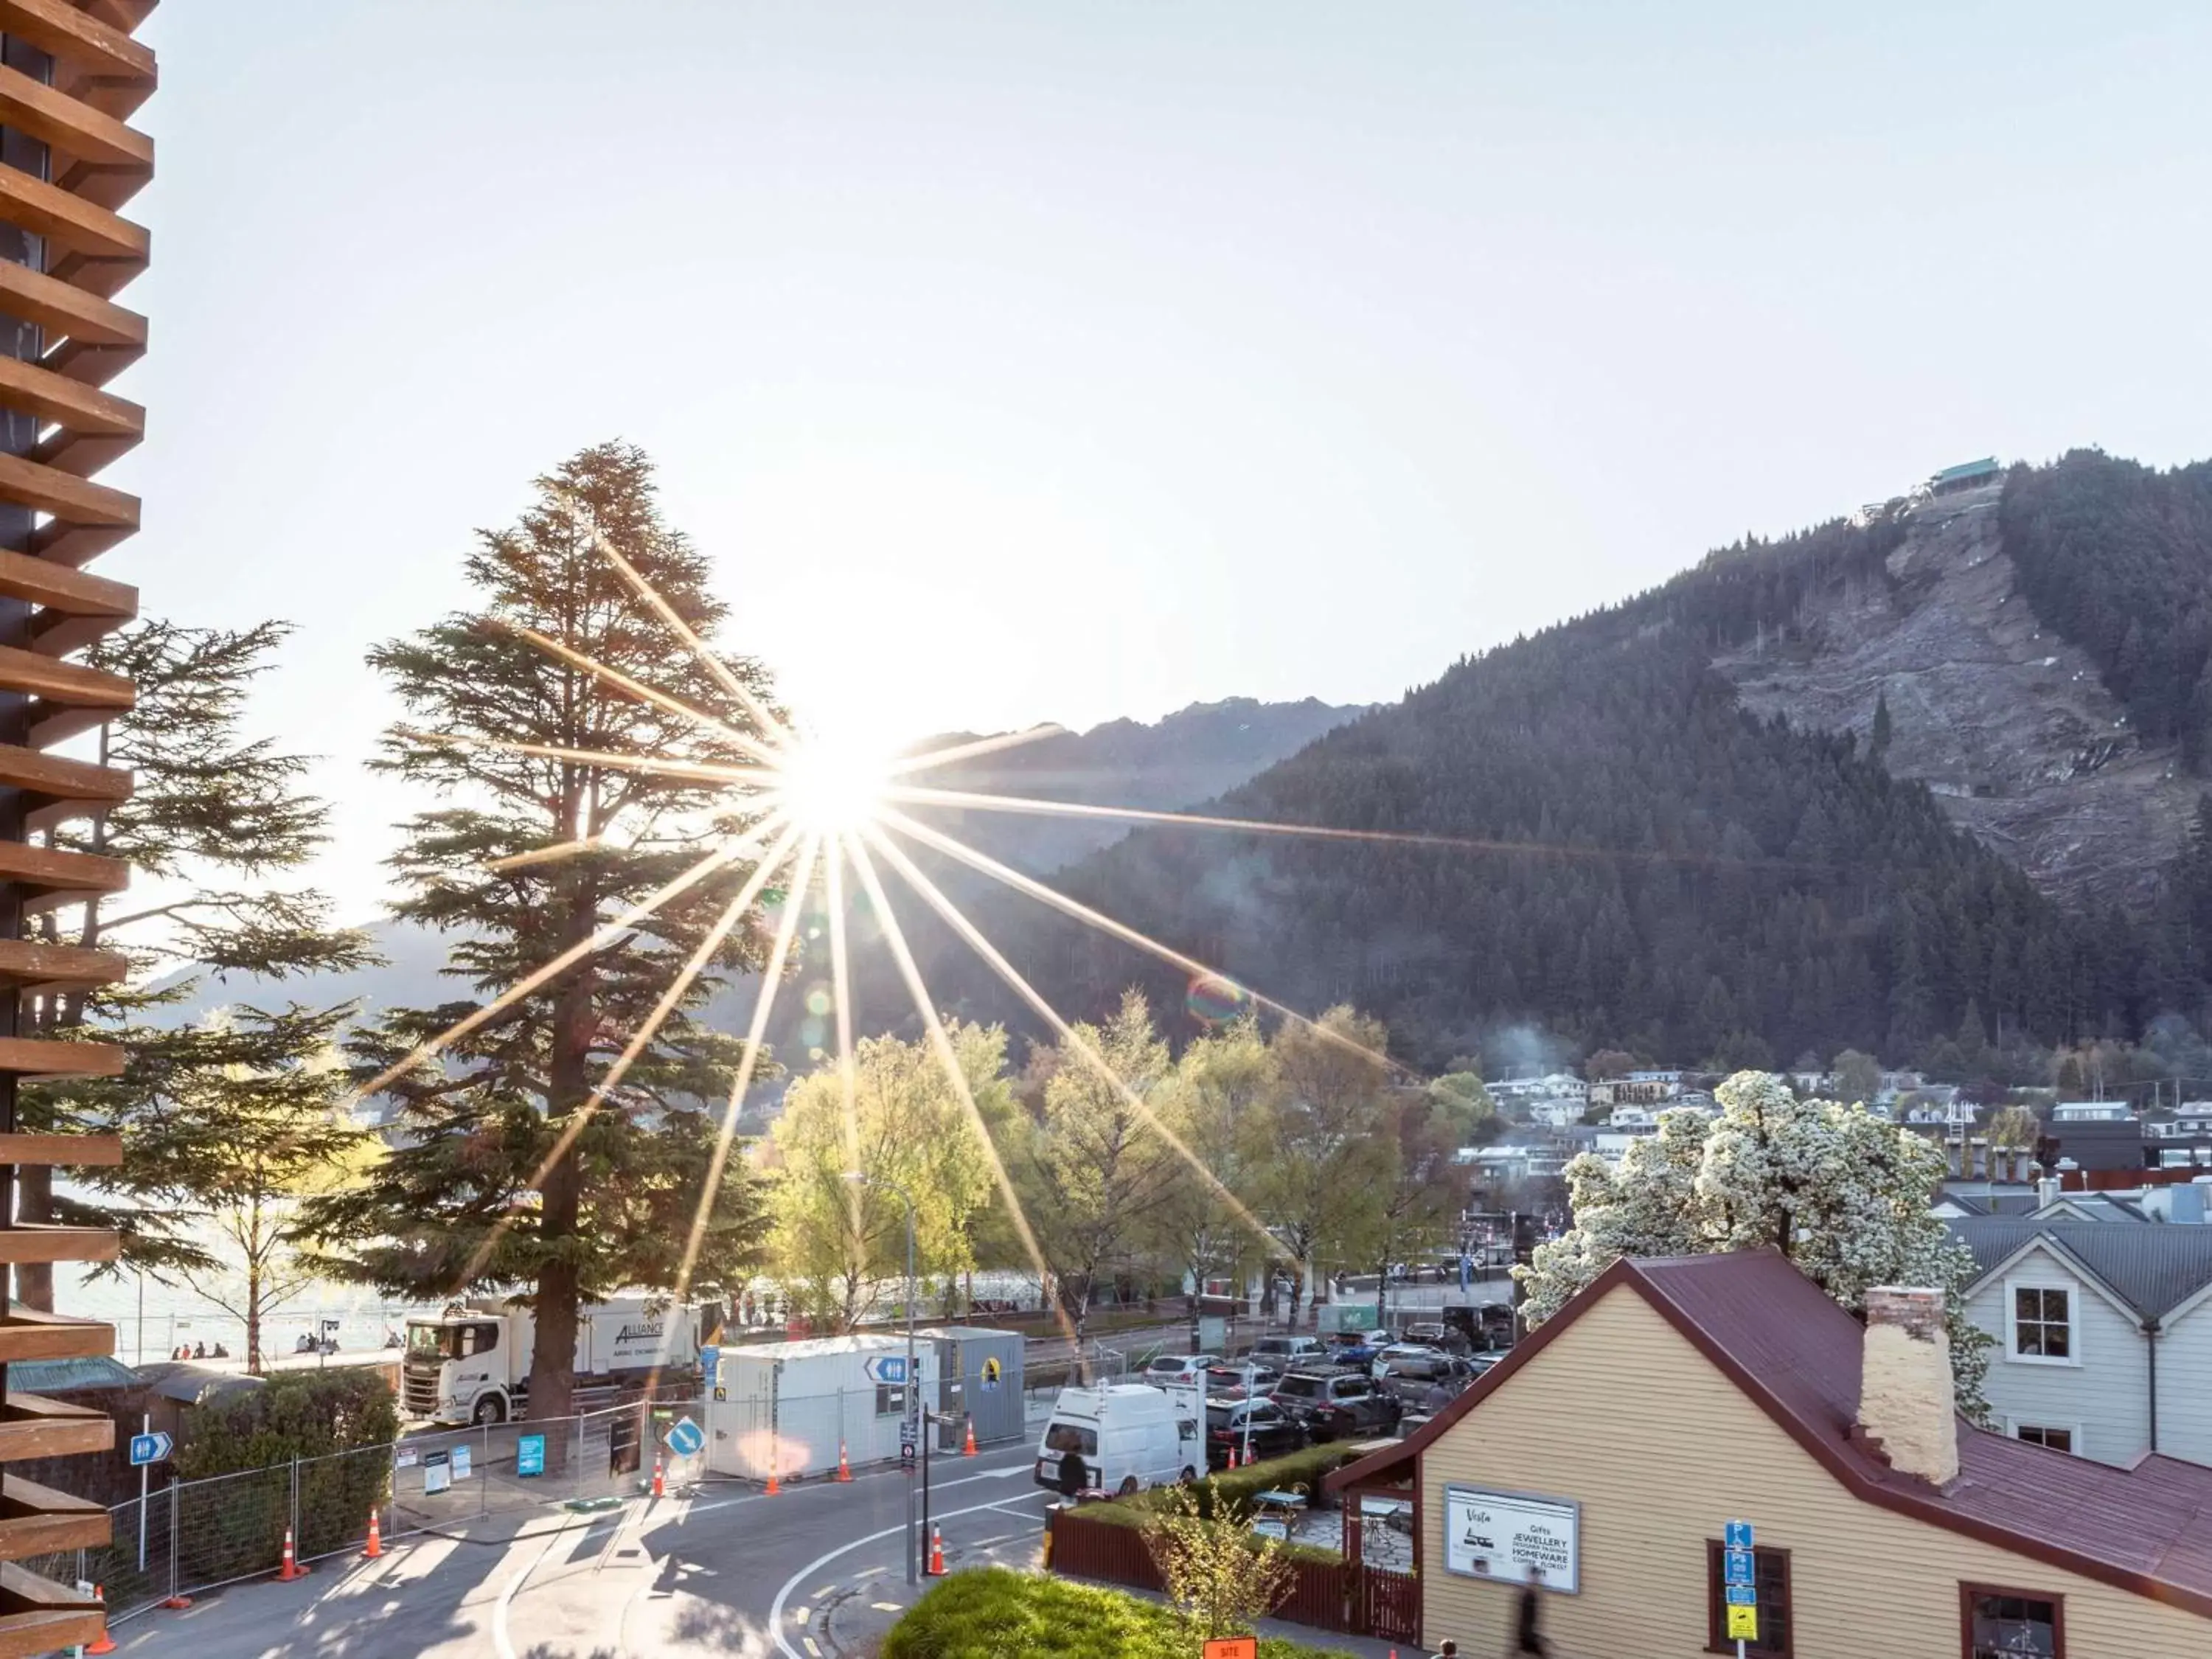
(1842, 1194)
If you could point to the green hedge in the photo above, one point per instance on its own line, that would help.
(314, 1416)
(993, 1612)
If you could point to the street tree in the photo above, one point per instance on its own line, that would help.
(1092, 1172)
(1327, 1155)
(1841, 1192)
(242, 1142)
(216, 827)
(1219, 1090)
(1217, 1576)
(520, 1166)
(837, 1243)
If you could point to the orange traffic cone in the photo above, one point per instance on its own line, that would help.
(659, 1477)
(107, 1642)
(968, 1450)
(774, 1487)
(844, 1469)
(937, 1551)
(291, 1569)
(375, 1550)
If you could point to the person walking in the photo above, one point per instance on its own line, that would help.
(1450, 1651)
(1529, 1622)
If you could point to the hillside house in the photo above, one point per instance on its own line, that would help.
(1967, 475)
(2091, 1111)
(1883, 1523)
(2104, 1347)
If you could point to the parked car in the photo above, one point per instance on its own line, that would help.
(1259, 1427)
(1336, 1404)
(1244, 1376)
(1403, 1357)
(1177, 1368)
(1282, 1354)
(1434, 1334)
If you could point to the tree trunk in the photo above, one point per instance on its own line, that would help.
(560, 1279)
(253, 1318)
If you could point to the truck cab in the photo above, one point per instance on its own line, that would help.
(458, 1368)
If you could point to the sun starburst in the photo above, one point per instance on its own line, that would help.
(820, 805)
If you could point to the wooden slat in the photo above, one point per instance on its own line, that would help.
(100, 338)
(27, 1334)
(31, 1426)
(28, 962)
(50, 1057)
(71, 222)
(76, 544)
(41, 871)
(64, 402)
(64, 1151)
(36, 1519)
(67, 788)
(58, 588)
(40, 1631)
(69, 684)
(72, 499)
(80, 40)
(70, 125)
(124, 14)
(45, 1241)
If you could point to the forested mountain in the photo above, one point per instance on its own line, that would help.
(1662, 867)
(2118, 558)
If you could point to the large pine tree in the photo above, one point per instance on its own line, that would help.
(510, 1177)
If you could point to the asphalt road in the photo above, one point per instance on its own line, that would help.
(722, 1570)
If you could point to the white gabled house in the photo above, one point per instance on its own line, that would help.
(2102, 1330)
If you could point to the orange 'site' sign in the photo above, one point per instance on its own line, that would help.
(1233, 1647)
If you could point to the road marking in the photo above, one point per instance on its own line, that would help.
(823, 1591)
(775, 1612)
(886, 1607)
(1021, 1467)
(815, 1651)
(798, 1615)
(501, 1640)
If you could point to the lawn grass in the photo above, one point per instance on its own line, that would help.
(991, 1613)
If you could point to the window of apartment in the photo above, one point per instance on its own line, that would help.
(2011, 1624)
(1771, 1579)
(2038, 1434)
(2043, 1323)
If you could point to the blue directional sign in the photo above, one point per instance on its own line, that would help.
(1739, 1565)
(1742, 1595)
(685, 1438)
(888, 1368)
(1739, 1536)
(150, 1449)
(530, 1454)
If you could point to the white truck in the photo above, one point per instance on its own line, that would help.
(472, 1364)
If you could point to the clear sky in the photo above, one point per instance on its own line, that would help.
(1037, 361)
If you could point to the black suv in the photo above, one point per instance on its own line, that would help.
(1259, 1427)
(1337, 1405)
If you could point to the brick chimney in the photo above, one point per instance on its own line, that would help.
(1905, 1403)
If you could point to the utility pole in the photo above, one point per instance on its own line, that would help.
(917, 1413)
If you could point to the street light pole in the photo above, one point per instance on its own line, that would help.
(916, 1414)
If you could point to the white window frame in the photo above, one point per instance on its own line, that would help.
(2014, 1425)
(2072, 1292)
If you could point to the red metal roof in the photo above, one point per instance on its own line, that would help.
(1795, 1353)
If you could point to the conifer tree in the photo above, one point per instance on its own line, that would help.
(511, 1176)
(216, 818)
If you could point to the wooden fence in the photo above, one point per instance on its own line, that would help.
(1082, 1547)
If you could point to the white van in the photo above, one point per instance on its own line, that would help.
(1128, 1435)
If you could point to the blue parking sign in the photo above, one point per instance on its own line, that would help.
(1738, 1567)
(1738, 1535)
(530, 1454)
(1742, 1595)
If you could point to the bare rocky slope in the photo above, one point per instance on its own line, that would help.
(2009, 727)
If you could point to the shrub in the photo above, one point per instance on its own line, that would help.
(990, 1612)
(339, 1423)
